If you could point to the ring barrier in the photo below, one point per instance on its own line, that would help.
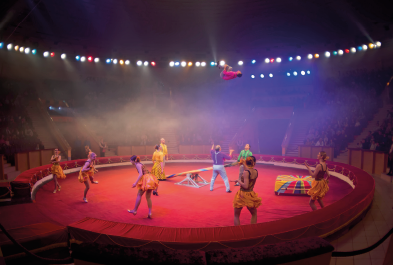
(324, 222)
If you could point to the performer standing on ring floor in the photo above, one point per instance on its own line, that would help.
(57, 170)
(165, 152)
(145, 183)
(158, 167)
(246, 196)
(319, 182)
(87, 172)
(243, 155)
(218, 166)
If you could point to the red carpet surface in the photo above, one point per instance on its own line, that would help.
(176, 206)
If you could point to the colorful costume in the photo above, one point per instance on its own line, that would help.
(147, 181)
(218, 168)
(57, 170)
(85, 175)
(228, 74)
(157, 158)
(319, 186)
(165, 153)
(243, 155)
(247, 197)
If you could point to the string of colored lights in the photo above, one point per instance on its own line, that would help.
(327, 54)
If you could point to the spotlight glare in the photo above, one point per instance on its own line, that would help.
(222, 63)
(272, 60)
(288, 74)
(295, 73)
(310, 56)
(267, 60)
(127, 62)
(271, 75)
(335, 53)
(46, 54)
(183, 64)
(365, 47)
(353, 50)
(52, 54)
(96, 60)
(78, 57)
(261, 76)
(308, 72)
(63, 56)
(252, 76)
(139, 63)
(90, 58)
(316, 55)
(371, 45)
(176, 63)
(153, 63)
(347, 50)
(108, 61)
(9, 46)
(146, 63)
(83, 58)
(253, 61)
(327, 54)
(197, 64)
(115, 61)
(278, 60)
(378, 44)
(27, 50)
(121, 62)
(290, 59)
(190, 63)
(240, 63)
(212, 63)
(302, 72)
(203, 64)
(171, 63)
(340, 52)
(16, 47)
(298, 57)
(21, 49)
(34, 51)
(1, 44)
(359, 48)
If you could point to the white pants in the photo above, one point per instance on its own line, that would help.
(219, 169)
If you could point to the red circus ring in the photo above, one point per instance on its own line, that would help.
(324, 223)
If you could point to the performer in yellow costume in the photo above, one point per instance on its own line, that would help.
(246, 196)
(165, 152)
(145, 182)
(319, 182)
(158, 167)
(57, 170)
(87, 172)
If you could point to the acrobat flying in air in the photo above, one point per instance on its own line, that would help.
(227, 73)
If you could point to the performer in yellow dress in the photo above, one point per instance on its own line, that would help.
(145, 183)
(319, 182)
(87, 172)
(158, 167)
(165, 151)
(57, 170)
(246, 196)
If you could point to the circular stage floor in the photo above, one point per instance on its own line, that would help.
(176, 206)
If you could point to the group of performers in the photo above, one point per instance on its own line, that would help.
(245, 197)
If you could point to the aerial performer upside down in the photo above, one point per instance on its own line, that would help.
(227, 73)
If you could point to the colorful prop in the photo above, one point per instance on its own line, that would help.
(198, 170)
(292, 185)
